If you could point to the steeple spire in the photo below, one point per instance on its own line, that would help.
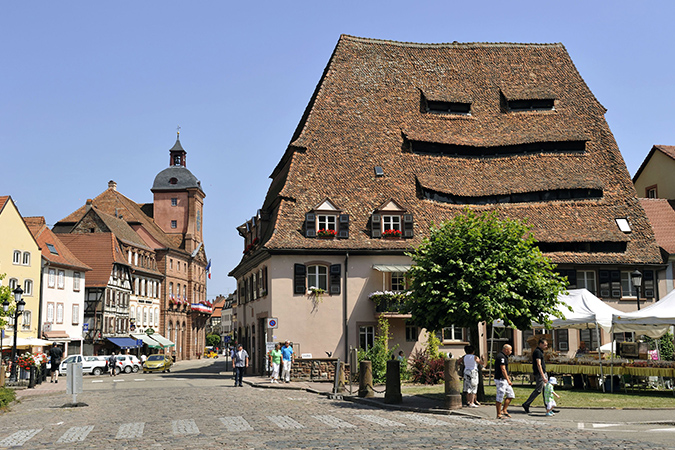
(177, 154)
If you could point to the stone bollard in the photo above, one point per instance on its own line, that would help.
(393, 393)
(366, 379)
(342, 387)
(453, 387)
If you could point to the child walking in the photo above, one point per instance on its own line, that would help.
(549, 393)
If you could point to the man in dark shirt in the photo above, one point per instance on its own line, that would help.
(539, 369)
(503, 382)
(55, 354)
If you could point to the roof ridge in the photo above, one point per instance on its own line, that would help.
(448, 44)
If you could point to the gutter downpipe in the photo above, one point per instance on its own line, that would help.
(42, 288)
(344, 308)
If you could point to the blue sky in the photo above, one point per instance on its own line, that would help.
(93, 91)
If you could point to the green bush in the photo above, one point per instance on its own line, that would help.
(379, 353)
(666, 347)
(7, 396)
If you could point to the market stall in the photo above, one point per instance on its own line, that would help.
(654, 321)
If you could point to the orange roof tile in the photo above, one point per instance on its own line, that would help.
(662, 216)
(44, 236)
(99, 251)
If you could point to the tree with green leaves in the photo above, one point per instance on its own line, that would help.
(478, 267)
(5, 295)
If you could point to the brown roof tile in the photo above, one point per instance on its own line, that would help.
(662, 217)
(43, 235)
(97, 250)
(368, 105)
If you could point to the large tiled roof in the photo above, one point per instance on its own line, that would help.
(368, 108)
(43, 235)
(113, 203)
(99, 251)
(662, 216)
(3, 200)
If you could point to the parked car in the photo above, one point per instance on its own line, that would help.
(90, 364)
(128, 363)
(155, 363)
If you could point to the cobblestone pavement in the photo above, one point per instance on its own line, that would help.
(192, 412)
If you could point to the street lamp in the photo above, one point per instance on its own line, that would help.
(636, 278)
(20, 304)
(5, 308)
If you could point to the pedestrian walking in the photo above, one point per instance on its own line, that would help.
(275, 362)
(549, 393)
(287, 357)
(240, 365)
(539, 369)
(471, 362)
(55, 353)
(112, 363)
(503, 382)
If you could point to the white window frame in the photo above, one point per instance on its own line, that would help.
(28, 287)
(317, 276)
(26, 259)
(397, 281)
(51, 278)
(451, 335)
(326, 222)
(76, 281)
(61, 280)
(391, 222)
(586, 279)
(26, 319)
(13, 283)
(627, 286)
(16, 259)
(59, 313)
(76, 314)
(50, 312)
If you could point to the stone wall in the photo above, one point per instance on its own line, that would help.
(316, 369)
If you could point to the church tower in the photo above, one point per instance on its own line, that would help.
(179, 200)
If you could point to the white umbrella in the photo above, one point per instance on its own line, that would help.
(8, 342)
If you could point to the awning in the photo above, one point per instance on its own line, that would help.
(57, 335)
(124, 342)
(392, 267)
(147, 340)
(8, 342)
(162, 340)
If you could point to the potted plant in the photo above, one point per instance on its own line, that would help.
(316, 294)
(391, 233)
(326, 233)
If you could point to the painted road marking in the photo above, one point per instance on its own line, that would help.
(75, 434)
(380, 420)
(236, 423)
(186, 426)
(132, 430)
(334, 422)
(19, 438)
(285, 422)
(426, 419)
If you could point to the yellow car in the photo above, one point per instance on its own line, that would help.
(155, 363)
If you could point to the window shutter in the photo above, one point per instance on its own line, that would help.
(299, 273)
(408, 225)
(375, 226)
(335, 272)
(615, 277)
(344, 226)
(310, 225)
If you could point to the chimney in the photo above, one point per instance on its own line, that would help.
(112, 185)
(88, 204)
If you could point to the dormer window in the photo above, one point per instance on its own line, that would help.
(441, 107)
(326, 221)
(546, 104)
(391, 220)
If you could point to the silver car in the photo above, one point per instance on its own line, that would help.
(94, 365)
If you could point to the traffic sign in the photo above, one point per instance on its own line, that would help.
(226, 338)
(272, 322)
(85, 327)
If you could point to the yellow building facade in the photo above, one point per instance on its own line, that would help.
(20, 260)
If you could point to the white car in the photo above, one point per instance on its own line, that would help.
(128, 363)
(90, 364)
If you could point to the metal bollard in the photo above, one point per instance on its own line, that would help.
(366, 379)
(31, 379)
(393, 393)
(453, 387)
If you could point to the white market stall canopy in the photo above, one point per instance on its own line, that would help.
(8, 342)
(654, 320)
(587, 311)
